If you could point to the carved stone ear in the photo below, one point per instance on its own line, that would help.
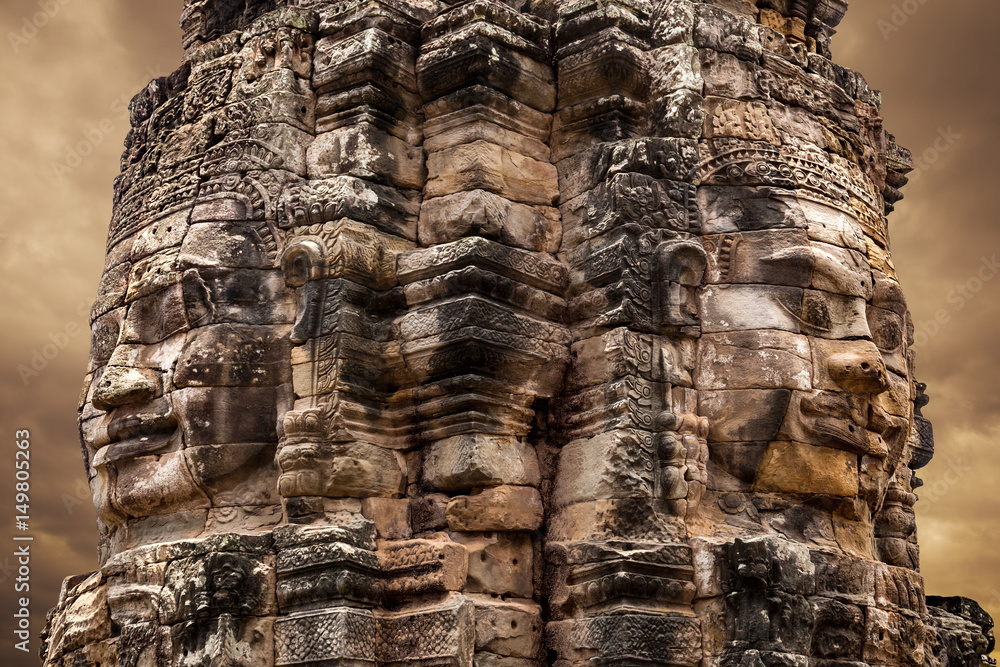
(303, 264)
(198, 304)
(922, 435)
(303, 260)
(679, 272)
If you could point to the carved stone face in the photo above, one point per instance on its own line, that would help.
(565, 351)
(803, 364)
(190, 376)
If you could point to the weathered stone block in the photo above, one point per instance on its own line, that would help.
(235, 475)
(487, 166)
(466, 462)
(839, 632)
(338, 470)
(233, 355)
(148, 485)
(428, 512)
(795, 468)
(85, 619)
(785, 357)
(367, 55)
(679, 114)
(743, 415)
(200, 405)
(229, 244)
(153, 318)
(391, 516)
(671, 639)
(339, 634)
(508, 629)
(674, 68)
(365, 151)
(617, 464)
(777, 257)
(482, 213)
(499, 563)
(741, 120)
(444, 634)
(841, 271)
(482, 59)
(717, 29)
(893, 638)
(415, 567)
(746, 307)
(504, 508)
(618, 518)
(729, 209)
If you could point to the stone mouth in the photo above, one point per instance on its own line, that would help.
(137, 433)
(892, 431)
(834, 420)
(880, 422)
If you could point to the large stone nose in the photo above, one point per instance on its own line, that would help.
(122, 384)
(860, 370)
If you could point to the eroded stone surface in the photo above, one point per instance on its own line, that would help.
(506, 334)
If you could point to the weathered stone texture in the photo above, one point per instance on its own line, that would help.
(503, 334)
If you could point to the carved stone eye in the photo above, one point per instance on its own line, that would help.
(104, 337)
(887, 329)
(816, 313)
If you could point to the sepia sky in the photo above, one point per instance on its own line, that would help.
(69, 67)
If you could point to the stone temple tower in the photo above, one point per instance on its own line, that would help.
(506, 333)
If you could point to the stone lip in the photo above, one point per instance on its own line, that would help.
(134, 434)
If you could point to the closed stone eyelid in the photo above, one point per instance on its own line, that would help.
(798, 318)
